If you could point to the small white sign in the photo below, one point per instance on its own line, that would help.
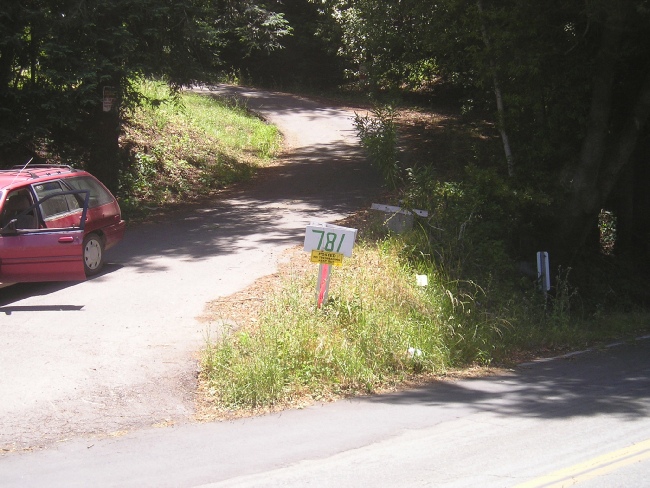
(398, 210)
(330, 238)
(109, 97)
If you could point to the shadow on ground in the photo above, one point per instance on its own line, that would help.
(317, 183)
(614, 381)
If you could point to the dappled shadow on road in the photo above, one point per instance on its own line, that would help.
(316, 183)
(611, 382)
(267, 101)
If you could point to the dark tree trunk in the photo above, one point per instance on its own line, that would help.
(106, 124)
(617, 178)
(627, 140)
(641, 224)
(622, 203)
(104, 153)
(606, 150)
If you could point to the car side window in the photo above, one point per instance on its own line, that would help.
(98, 194)
(57, 205)
(14, 208)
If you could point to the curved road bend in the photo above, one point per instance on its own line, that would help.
(117, 352)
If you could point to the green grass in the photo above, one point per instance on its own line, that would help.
(354, 343)
(186, 147)
(379, 330)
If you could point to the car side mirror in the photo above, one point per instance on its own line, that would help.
(9, 228)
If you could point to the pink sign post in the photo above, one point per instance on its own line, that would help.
(323, 284)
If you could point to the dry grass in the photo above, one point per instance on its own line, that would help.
(243, 310)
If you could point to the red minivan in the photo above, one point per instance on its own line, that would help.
(55, 224)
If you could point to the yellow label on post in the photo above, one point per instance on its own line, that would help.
(325, 257)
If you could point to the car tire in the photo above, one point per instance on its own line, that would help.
(93, 251)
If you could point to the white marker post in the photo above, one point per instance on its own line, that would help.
(543, 272)
(327, 244)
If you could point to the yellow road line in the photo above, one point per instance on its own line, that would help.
(593, 468)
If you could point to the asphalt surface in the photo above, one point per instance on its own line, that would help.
(118, 352)
(581, 419)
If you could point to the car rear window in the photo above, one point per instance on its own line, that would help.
(98, 194)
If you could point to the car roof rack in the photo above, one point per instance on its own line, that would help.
(29, 170)
(44, 166)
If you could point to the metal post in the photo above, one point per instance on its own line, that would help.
(543, 273)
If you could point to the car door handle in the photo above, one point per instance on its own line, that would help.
(66, 239)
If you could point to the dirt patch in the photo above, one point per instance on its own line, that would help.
(242, 309)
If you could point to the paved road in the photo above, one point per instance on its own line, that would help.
(579, 419)
(117, 352)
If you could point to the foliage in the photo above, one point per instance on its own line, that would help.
(308, 59)
(182, 147)
(58, 59)
(382, 40)
(378, 136)
(358, 342)
(574, 110)
(378, 330)
(484, 227)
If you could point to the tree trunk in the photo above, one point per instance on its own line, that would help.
(641, 224)
(104, 152)
(621, 171)
(622, 203)
(627, 140)
(499, 97)
(580, 213)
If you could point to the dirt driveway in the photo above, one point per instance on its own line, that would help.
(118, 352)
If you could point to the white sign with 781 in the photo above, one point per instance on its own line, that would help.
(330, 238)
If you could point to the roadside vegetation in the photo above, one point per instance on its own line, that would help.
(379, 329)
(185, 146)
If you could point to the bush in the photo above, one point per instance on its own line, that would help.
(378, 136)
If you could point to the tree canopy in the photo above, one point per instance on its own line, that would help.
(60, 59)
(567, 83)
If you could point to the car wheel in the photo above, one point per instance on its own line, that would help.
(93, 254)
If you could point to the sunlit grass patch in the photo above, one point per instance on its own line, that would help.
(186, 146)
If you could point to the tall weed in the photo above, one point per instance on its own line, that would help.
(378, 135)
